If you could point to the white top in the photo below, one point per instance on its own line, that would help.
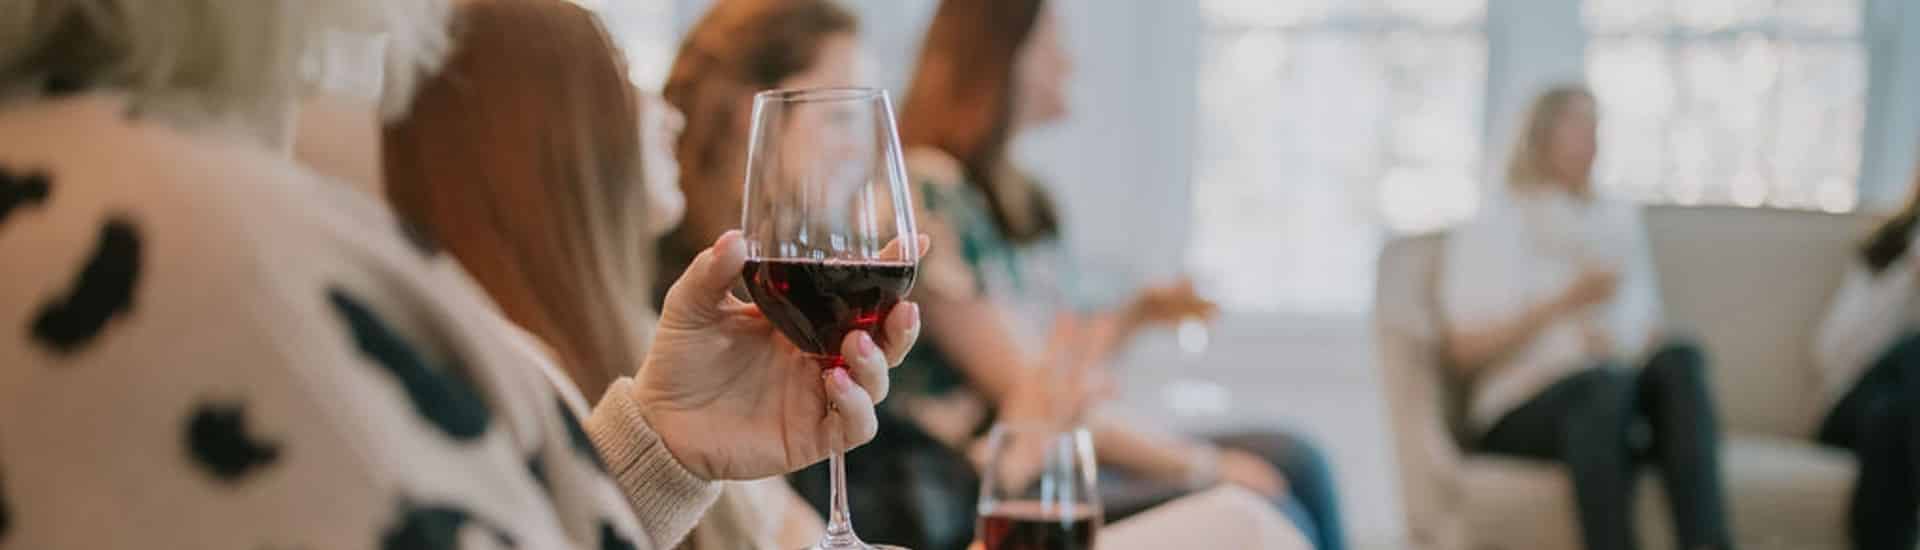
(1867, 316)
(1524, 249)
(206, 346)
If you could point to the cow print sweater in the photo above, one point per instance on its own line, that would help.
(203, 346)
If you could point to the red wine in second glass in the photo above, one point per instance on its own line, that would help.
(1029, 526)
(817, 302)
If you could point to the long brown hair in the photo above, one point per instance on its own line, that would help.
(738, 48)
(961, 102)
(1529, 164)
(1892, 238)
(522, 158)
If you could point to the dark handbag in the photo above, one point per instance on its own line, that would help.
(904, 488)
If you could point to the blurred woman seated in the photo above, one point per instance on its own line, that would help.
(1868, 355)
(989, 70)
(1553, 312)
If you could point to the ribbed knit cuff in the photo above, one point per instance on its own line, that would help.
(666, 498)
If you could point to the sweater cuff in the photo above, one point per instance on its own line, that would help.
(666, 498)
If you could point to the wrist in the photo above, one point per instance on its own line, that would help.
(660, 420)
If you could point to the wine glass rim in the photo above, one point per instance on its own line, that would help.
(810, 95)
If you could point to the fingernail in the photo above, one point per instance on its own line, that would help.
(913, 316)
(867, 347)
(837, 377)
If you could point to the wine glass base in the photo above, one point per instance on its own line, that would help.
(855, 545)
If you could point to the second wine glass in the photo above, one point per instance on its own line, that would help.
(1038, 489)
(828, 222)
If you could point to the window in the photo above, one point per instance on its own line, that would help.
(1323, 124)
(1742, 102)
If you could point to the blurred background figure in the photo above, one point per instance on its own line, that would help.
(488, 166)
(738, 48)
(1552, 308)
(1869, 364)
(989, 71)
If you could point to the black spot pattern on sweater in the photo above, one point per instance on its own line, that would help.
(419, 238)
(21, 191)
(435, 527)
(103, 291)
(444, 400)
(611, 540)
(537, 467)
(217, 439)
(581, 443)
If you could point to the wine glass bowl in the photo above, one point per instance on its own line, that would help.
(827, 217)
(1038, 489)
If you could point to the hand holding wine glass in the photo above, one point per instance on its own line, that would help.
(830, 242)
(733, 399)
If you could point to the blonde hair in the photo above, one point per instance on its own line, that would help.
(522, 158)
(1529, 164)
(208, 59)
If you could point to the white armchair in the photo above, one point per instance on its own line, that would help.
(1750, 284)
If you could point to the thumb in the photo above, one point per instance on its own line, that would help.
(711, 275)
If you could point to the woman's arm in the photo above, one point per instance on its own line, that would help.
(1864, 317)
(1472, 347)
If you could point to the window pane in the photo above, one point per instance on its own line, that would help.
(1635, 85)
(1616, 16)
(1439, 12)
(1713, 15)
(1821, 120)
(1305, 134)
(1264, 12)
(1841, 17)
(1743, 102)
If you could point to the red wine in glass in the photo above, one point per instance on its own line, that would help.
(815, 303)
(1031, 526)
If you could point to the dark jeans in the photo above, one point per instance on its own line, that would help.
(1875, 420)
(1310, 501)
(1585, 421)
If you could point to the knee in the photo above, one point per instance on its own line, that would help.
(1678, 367)
(1883, 430)
(1609, 402)
(1888, 419)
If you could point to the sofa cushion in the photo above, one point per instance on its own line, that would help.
(1752, 285)
(1783, 494)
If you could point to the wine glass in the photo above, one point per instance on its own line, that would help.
(1038, 489)
(828, 224)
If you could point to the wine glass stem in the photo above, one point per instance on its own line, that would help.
(839, 521)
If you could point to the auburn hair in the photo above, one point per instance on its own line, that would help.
(1895, 235)
(961, 102)
(522, 158)
(738, 48)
